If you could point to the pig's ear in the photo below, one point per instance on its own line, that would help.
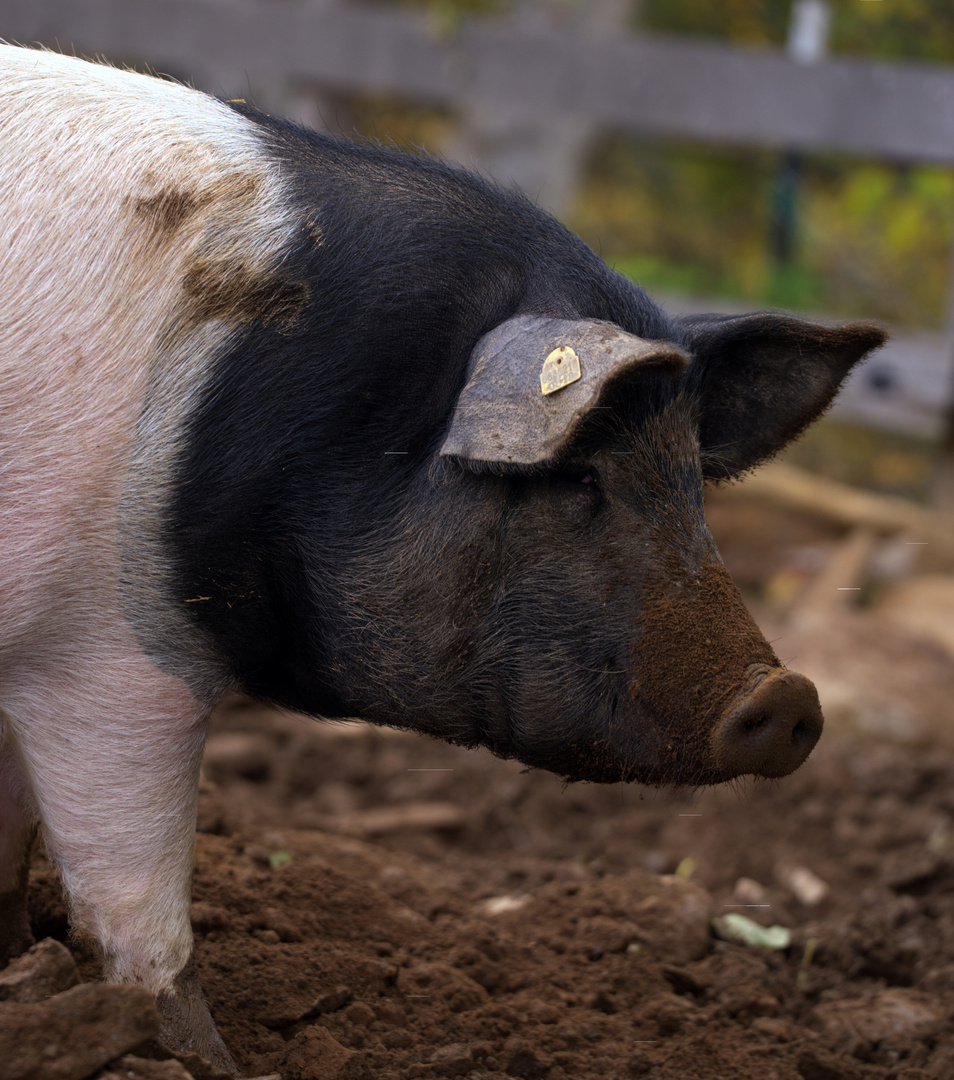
(761, 379)
(532, 380)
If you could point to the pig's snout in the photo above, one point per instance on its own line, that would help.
(771, 729)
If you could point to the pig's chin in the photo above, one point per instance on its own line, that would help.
(623, 751)
(602, 763)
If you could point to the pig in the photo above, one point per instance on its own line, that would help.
(356, 433)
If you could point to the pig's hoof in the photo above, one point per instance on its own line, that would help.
(187, 1025)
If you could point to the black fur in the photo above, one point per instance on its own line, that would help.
(349, 570)
(416, 262)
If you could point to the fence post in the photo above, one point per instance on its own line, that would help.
(942, 486)
(543, 154)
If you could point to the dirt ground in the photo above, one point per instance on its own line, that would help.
(373, 904)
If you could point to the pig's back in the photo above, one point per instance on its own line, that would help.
(121, 198)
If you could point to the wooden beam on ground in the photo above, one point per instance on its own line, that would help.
(797, 489)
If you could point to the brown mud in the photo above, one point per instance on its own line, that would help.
(372, 904)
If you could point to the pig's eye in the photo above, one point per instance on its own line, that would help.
(581, 498)
(581, 475)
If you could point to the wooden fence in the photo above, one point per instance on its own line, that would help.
(677, 87)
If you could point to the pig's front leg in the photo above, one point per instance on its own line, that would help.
(113, 747)
(17, 829)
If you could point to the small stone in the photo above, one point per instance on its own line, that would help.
(807, 887)
(455, 1059)
(501, 905)
(749, 891)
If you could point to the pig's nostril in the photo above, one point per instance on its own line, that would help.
(771, 730)
(802, 732)
(752, 724)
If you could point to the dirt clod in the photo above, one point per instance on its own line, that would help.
(47, 969)
(72, 1034)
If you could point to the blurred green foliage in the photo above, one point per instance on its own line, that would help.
(412, 127)
(872, 239)
(895, 29)
(890, 29)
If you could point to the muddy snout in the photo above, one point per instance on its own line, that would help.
(771, 728)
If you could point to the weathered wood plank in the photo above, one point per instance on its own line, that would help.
(797, 489)
(670, 86)
(908, 386)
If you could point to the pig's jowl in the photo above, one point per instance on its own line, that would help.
(360, 434)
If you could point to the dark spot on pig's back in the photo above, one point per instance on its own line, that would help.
(167, 211)
(233, 294)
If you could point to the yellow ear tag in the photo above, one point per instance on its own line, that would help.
(560, 368)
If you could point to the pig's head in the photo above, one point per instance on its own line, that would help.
(652, 668)
(628, 650)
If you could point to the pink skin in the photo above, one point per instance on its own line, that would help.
(116, 793)
(97, 744)
(115, 789)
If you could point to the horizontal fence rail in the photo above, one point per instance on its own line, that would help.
(639, 83)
